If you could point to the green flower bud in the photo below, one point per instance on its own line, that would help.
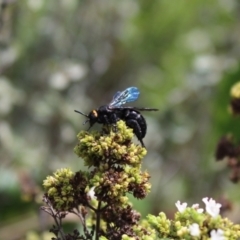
(235, 90)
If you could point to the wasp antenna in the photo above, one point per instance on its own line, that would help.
(81, 113)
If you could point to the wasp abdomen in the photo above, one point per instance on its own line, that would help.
(137, 122)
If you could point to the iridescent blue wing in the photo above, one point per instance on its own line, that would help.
(116, 95)
(129, 95)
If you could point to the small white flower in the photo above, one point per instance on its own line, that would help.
(194, 230)
(212, 207)
(181, 206)
(196, 207)
(217, 234)
(91, 193)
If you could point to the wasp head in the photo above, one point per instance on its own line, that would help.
(92, 117)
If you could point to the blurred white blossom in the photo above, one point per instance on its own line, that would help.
(196, 206)
(212, 207)
(9, 96)
(194, 229)
(217, 234)
(181, 206)
(91, 193)
(8, 56)
(75, 71)
(59, 81)
(35, 5)
(67, 133)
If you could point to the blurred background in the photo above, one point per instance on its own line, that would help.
(61, 55)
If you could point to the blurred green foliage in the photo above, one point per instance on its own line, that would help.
(61, 55)
(226, 123)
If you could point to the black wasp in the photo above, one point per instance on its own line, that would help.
(111, 113)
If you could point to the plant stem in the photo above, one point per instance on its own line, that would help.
(98, 212)
(56, 216)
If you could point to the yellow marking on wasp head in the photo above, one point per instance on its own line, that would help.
(95, 114)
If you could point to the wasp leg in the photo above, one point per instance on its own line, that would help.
(114, 128)
(90, 126)
(110, 122)
(136, 129)
(114, 120)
